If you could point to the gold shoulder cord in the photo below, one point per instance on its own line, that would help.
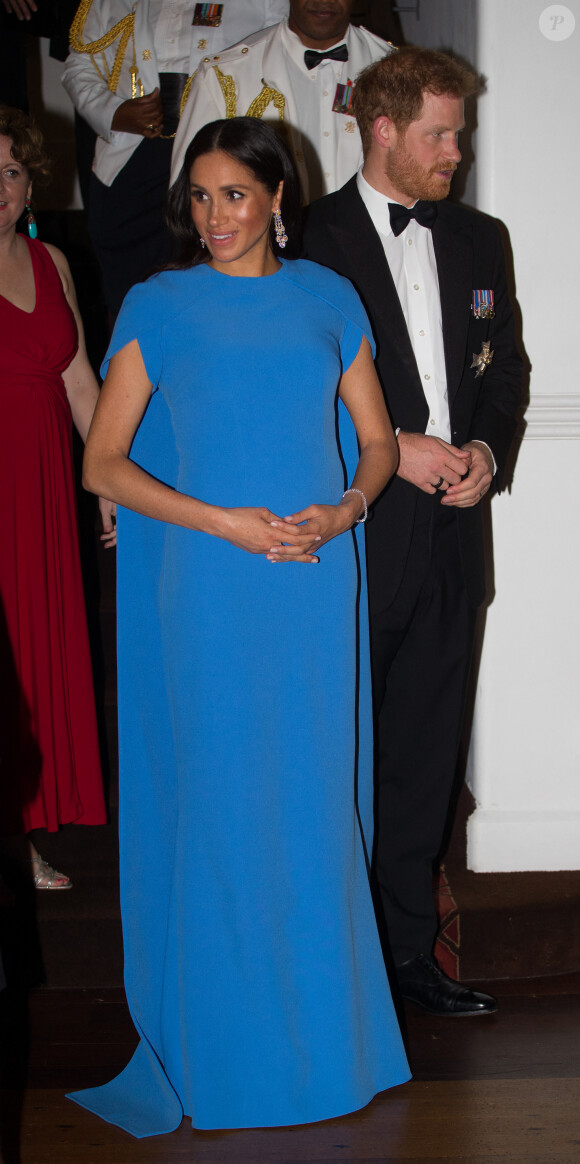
(261, 102)
(124, 30)
(258, 105)
(185, 93)
(228, 88)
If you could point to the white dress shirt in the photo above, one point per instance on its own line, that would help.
(411, 259)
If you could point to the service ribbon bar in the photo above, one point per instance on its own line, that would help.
(482, 305)
(343, 98)
(208, 15)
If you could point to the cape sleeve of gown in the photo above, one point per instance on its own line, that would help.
(141, 317)
(340, 293)
(145, 737)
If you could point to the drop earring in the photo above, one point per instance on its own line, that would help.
(31, 221)
(202, 242)
(281, 236)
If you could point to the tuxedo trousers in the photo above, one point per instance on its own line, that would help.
(421, 645)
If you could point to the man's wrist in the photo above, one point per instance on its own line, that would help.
(484, 445)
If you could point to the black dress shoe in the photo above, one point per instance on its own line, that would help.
(422, 982)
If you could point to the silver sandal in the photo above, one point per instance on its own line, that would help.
(45, 873)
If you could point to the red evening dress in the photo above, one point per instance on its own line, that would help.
(50, 771)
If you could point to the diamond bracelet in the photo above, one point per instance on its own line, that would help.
(359, 520)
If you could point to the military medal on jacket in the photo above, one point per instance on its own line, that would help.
(207, 15)
(483, 360)
(343, 98)
(482, 305)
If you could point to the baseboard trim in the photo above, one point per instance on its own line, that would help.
(523, 842)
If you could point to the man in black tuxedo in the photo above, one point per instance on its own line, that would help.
(433, 282)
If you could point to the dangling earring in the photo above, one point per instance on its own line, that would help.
(202, 243)
(281, 236)
(31, 221)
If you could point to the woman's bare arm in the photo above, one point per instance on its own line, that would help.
(361, 393)
(81, 385)
(80, 381)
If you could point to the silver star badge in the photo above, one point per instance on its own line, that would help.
(483, 360)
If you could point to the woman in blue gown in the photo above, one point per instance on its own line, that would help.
(253, 966)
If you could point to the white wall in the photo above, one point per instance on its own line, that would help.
(524, 764)
(525, 759)
(450, 24)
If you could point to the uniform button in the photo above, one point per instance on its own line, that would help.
(201, 44)
(421, 332)
(409, 242)
(431, 421)
(415, 286)
(325, 94)
(206, 60)
(326, 133)
(326, 174)
(427, 376)
(245, 50)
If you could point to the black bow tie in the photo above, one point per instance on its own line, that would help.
(424, 212)
(312, 58)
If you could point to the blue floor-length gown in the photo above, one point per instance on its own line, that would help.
(252, 962)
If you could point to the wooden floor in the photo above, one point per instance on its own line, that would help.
(503, 1088)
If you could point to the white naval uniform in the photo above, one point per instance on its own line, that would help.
(326, 145)
(95, 101)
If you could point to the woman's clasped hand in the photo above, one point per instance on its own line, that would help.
(315, 525)
(250, 529)
(300, 533)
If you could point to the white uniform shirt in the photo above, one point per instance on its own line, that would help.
(172, 21)
(314, 91)
(173, 32)
(160, 25)
(326, 145)
(411, 259)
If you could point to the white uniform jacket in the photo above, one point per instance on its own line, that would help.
(88, 77)
(265, 76)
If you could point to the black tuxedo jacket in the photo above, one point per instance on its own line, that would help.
(339, 233)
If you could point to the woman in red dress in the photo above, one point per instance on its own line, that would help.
(49, 755)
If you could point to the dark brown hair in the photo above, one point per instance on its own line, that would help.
(394, 86)
(260, 148)
(27, 143)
